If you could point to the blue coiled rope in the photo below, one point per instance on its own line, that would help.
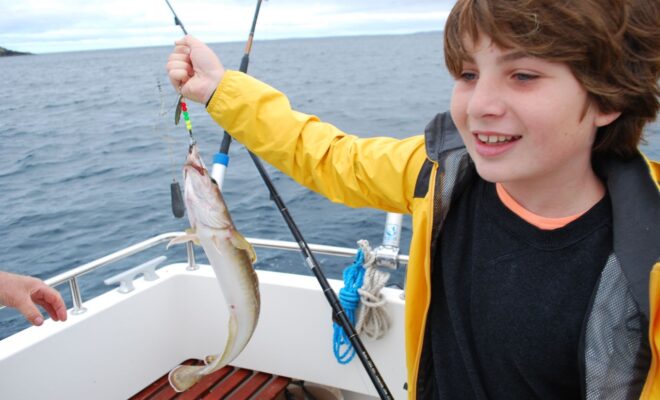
(349, 300)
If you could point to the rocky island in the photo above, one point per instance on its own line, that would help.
(6, 52)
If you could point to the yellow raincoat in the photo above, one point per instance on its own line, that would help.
(393, 175)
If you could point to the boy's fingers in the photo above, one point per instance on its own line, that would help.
(179, 57)
(178, 77)
(181, 49)
(49, 309)
(61, 312)
(178, 74)
(56, 311)
(30, 311)
(178, 65)
(182, 42)
(52, 302)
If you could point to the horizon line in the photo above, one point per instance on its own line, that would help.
(233, 41)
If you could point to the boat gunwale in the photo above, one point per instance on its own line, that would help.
(74, 273)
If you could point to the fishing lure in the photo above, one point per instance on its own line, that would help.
(182, 108)
(178, 207)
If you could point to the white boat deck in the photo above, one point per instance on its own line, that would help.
(126, 341)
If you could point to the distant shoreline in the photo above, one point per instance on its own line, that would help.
(6, 53)
(55, 50)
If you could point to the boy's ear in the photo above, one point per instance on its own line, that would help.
(603, 119)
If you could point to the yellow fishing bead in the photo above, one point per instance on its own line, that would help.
(188, 125)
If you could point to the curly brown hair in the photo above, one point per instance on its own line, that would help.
(611, 46)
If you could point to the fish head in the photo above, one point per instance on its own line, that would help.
(204, 202)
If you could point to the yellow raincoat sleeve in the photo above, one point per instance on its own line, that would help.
(652, 386)
(375, 172)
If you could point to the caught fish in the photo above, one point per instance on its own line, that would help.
(231, 257)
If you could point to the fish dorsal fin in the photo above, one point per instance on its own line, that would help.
(241, 243)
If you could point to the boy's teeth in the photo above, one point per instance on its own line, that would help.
(494, 138)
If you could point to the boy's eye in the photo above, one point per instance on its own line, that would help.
(524, 77)
(468, 76)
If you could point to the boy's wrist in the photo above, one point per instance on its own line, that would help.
(208, 101)
(214, 82)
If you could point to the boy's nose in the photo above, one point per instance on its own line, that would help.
(486, 99)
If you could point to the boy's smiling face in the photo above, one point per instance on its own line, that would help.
(523, 119)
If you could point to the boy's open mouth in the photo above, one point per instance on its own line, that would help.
(495, 139)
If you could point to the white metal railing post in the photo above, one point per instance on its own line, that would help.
(76, 297)
(387, 254)
(192, 265)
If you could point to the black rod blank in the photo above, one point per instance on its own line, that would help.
(312, 263)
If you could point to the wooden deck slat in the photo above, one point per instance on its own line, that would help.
(229, 384)
(167, 393)
(150, 390)
(250, 387)
(205, 384)
(275, 387)
(158, 385)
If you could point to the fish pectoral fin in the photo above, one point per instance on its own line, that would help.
(241, 243)
(190, 236)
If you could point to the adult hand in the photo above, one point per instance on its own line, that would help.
(25, 292)
(194, 69)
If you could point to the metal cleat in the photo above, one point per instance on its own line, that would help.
(125, 279)
(387, 253)
(387, 257)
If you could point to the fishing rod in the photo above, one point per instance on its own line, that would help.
(245, 61)
(177, 21)
(221, 158)
(337, 310)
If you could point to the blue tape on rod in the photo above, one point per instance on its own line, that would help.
(221, 158)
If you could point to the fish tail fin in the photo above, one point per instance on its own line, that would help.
(184, 376)
(190, 236)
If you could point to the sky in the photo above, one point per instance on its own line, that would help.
(47, 26)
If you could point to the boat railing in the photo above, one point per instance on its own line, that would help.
(71, 276)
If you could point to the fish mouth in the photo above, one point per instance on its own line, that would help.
(194, 161)
(197, 168)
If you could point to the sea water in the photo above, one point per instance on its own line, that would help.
(89, 149)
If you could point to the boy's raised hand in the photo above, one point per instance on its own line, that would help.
(194, 69)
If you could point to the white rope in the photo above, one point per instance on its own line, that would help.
(372, 318)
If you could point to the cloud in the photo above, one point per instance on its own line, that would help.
(67, 25)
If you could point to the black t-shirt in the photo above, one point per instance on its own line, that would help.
(509, 299)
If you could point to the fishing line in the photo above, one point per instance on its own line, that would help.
(160, 125)
(178, 207)
(337, 310)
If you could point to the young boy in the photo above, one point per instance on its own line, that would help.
(533, 266)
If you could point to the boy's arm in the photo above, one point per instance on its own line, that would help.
(25, 292)
(375, 172)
